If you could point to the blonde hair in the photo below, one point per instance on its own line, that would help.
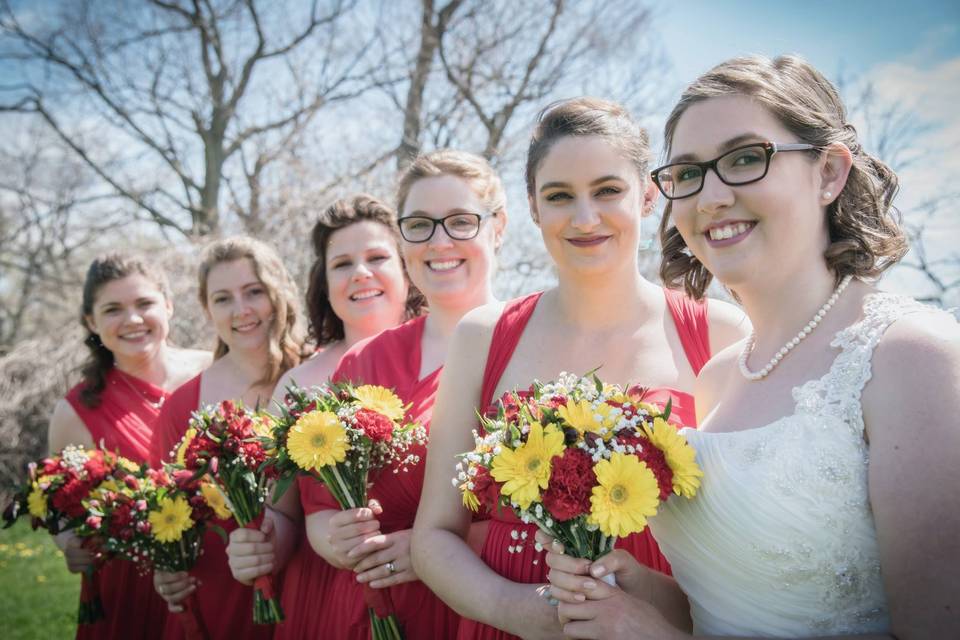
(462, 164)
(286, 347)
(587, 117)
(865, 237)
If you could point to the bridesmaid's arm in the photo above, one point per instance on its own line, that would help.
(67, 428)
(473, 590)
(728, 324)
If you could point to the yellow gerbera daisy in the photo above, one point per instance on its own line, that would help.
(184, 444)
(582, 416)
(37, 503)
(680, 456)
(526, 469)
(128, 464)
(172, 518)
(379, 399)
(215, 498)
(626, 494)
(318, 440)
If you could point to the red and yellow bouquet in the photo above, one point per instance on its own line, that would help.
(586, 462)
(339, 434)
(229, 443)
(54, 496)
(156, 519)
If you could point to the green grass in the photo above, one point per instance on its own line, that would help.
(38, 596)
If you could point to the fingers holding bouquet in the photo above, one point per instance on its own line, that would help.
(174, 587)
(391, 564)
(251, 553)
(350, 533)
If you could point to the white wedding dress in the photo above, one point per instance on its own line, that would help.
(780, 540)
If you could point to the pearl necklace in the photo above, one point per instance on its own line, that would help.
(792, 343)
(156, 404)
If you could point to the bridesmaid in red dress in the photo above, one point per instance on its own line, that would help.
(357, 289)
(130, 372)
(452, 219)
(251, 301)
(588, 191)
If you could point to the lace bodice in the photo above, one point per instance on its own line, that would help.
(780, 541)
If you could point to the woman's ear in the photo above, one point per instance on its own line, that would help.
(534, 214)
(90, 324)
(650, 195)
(835, 166)
(499, 228)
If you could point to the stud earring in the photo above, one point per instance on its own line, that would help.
(827, 194)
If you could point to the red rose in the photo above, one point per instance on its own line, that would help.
(571, 483)
(375, 426)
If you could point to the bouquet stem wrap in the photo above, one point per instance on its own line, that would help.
(191, 620)
(266, 604)
(91, 606)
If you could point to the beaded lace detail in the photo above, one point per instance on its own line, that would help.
(781, 540)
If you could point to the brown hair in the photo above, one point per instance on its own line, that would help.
(587, 117)
(865, 237)
(325, 325)
(286, 334)
(462, 164)
(104, 269)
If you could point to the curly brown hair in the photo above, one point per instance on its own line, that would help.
(865, 235)
(286, 332)
(107, 268)
(325, 325)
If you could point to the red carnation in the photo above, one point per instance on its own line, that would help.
(657, 462)
(571, 482)
(96, 468)
(486, 489)
(376, 426)
(120, 519)
(67, 498)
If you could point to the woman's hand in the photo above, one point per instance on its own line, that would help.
(385, 560)
(78, 558)
(174, 587)
(575, 580)
(351, 528)
(251, 552)
(615, 614)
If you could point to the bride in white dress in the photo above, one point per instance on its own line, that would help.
(829, 439)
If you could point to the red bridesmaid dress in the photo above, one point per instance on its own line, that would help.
(123, 423)
(528, 565)
(391, 359)
(225, 605)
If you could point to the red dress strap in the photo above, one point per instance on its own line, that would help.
(690, 318)
(506, 336)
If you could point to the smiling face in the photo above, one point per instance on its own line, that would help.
(132, 317)
(447, 271)
(589, 200)
(765, 230)
(365, 280)
(238, 304)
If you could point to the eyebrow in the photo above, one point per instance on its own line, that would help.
(593, 183)
(375, 247)
(450, 212)
(735, 141)
(252, 283)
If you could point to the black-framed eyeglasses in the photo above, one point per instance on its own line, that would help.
(739, 166)
(458, 226)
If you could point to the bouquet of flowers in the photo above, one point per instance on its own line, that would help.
(585, 461)
(230, 444)
(156, 519)
(54, 496)
(339, 434)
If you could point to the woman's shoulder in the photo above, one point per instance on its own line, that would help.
(187, 363)
(728, 323)
(921, 342)
(66, 427)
